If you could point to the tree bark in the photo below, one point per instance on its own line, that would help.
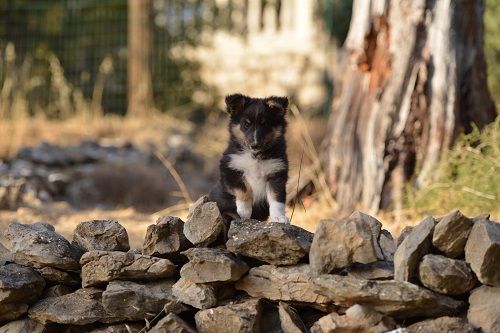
(140, 83)
(414, 78)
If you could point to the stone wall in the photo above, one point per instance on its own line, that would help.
(207, 275)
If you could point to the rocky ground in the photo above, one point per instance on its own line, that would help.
(207, 275)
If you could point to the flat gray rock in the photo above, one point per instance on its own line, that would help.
(275, 243)
(166, 238)
(79, 308)
(289, 319)
(378, 270)
(445, 275)
(286, 283)
(26, 325)
(357, 318)
(136, 301)
(484, 305)
(403, 234)
(204, 222)
(387, 244)
(172, 324)
(397, 299)
(57, 276)
(99, 267)
(341, 243)
(482, 251)
(243, 317)
(412, 249)
(19, 286)
(212, 265)
(198, 295)
(443, 324)
(451, 233)
(57, 290)
(38, 245)
(103, 235)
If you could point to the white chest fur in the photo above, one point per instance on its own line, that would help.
(256, 171)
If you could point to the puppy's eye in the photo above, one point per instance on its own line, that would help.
(262, 121)
(246, 124)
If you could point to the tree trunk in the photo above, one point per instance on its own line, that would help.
(415, 78)
(140, 85)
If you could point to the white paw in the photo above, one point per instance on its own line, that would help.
(281, 219)
(244, 209)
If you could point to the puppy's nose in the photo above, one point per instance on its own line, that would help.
(254, 145)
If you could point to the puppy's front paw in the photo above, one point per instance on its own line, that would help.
(281, 219)
(244, 209)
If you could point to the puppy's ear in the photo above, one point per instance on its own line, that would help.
(235, 103)
(275, 102)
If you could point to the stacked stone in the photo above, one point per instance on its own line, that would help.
(252, 276)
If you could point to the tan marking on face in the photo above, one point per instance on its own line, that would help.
(273, 134)
(237, 132)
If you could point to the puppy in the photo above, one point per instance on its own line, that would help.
(254, 166)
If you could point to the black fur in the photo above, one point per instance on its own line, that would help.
(257, 126)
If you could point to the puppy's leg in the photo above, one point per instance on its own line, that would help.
(276, 196)
(243, 202)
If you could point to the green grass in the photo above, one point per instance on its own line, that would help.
(468, 177)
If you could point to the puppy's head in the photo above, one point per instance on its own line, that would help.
(256, 123)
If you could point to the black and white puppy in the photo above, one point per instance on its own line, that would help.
(254, 166)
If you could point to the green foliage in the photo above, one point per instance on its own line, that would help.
(492, 46)
(468, 177)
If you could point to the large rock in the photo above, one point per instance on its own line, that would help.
(204, 222)
(289, 319)
(103, 235)
(136, 301)
(288, 283)
(398, 299)
(482, 251)
(243, 317)
(103, 266)
(484, 305)
(274, 243)
(442, 324)
(356, 319)
(24, 326)
(38, 245)
(79, 308)
(19, 286)
(412, 249)
(212, 265)
(172, 324)
(166, 238)
(57, 276)
(338, 244)
(445, 275)
(198, 295)
(451, 233)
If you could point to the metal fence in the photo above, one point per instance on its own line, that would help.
(84, 44)
(89, 37)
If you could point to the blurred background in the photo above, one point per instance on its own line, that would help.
(114, 108)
